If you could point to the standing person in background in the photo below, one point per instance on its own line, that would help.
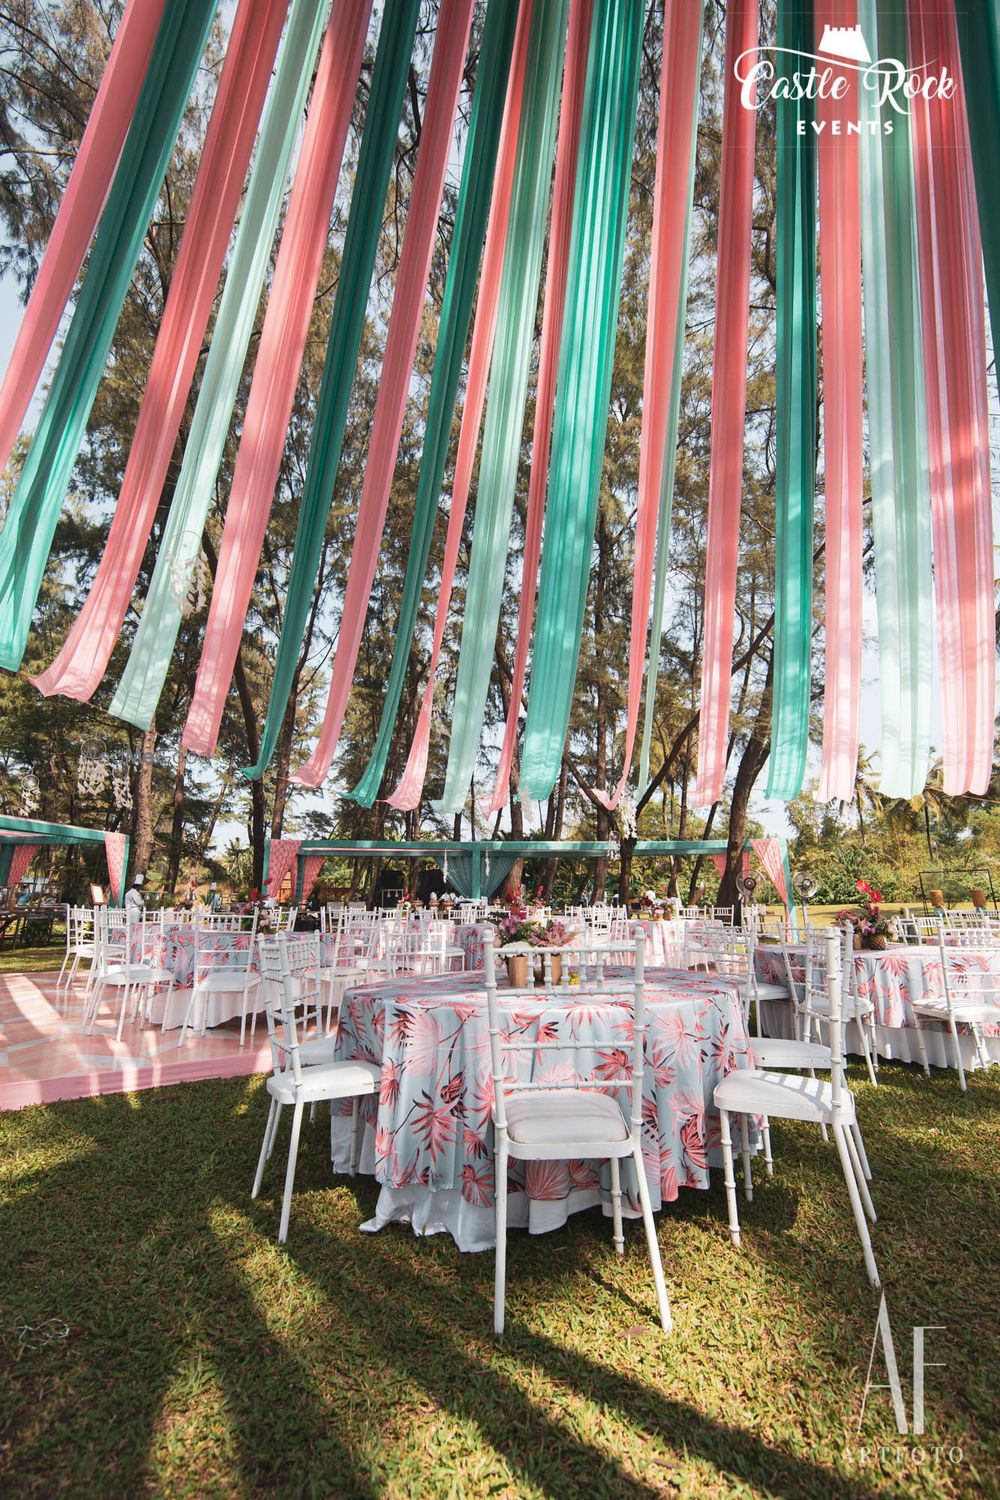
(134, 903)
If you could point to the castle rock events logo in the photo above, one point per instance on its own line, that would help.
(825, 74)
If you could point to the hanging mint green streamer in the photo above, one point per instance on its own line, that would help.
(879, 391)
(456, 310)
(583, 389)
(34, 509)
(507, 392)
(371, 182)
(664, 519)
(139, 690)
(911, 467)
(979, 39)
(795, 466)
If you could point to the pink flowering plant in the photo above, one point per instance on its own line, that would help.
(515, 926)
(867, 916)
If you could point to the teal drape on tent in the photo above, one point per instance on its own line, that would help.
(460, 871)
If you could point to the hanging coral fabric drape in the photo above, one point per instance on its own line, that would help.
(408, 791)
(281, 860)
(114, 851)
(375, 158)
(678, 128)
(954, 329)
(557, 270)
(584, 384)
(450, 42)
(279, 359)
(772, 862)
(507, 393)
(34, 509)
(471, 217)
(679, 15)
(20, 861)
(89, 181)
(311, 866)
(840, 261)
(729, 389)
(139, 690)
(795, 462)
(246, 73)
(911, 542)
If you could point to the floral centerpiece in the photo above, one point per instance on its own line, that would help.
(518, 933)
(871, 927)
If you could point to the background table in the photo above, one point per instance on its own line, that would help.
(428, 1137)
(891, 979)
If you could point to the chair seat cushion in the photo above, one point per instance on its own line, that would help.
(318, 1050)
(574, 1116)
(780, 1053)
(971, 1011)
(771, 991)
(226, 981)
(327, 1080)
(786, 1096)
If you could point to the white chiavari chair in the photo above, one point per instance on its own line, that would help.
(223, 965)
(121, 965)
(560, 1122)
(295, 1080)
(80, 944)
(970, 981)
(790, 1096)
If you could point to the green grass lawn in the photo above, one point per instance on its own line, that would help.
(203, 1360)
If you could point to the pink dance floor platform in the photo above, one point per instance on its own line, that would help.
(45, 1054)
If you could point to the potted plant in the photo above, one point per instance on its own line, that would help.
(554, 934)
(518, 934)
(871, 927)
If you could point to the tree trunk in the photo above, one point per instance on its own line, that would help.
(177, 823)
(625, 869)
(757, 750)
(283, 768)
(601, 716)
(142, 824)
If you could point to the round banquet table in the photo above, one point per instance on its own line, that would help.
(891, 979)
(428, 1137)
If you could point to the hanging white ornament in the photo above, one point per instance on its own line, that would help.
(121, 787)
(187, 574)
(30, 794)
(627, 814)
(92, 768)
(444, 868)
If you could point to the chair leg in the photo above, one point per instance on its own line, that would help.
(745, 1153)
(355, 1118)
(272, 1116)
(274, 1130)
(863, 1033)
(121, 1013)
(859, 1142)
(953, 1028)
(860, 1220)
(662, 1300)
(727, 1162)
(616, 1205)
(500, 1275)
(63, 970)
(765, 1130)
(859, 1177)
(293, 1151)
(922, 1045)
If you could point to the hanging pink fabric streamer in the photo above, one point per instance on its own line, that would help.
(570, 116)
(279, 359)
(840, 257)
(719, 861)
(729, 390)
(20, 860)
(678, 86)
(79, 211)
(246, 73)
(768, 852)
(954, 329)
(114, 850)
(282, 857)
(411, 783)
(450, 41)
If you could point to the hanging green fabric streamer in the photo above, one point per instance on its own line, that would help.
(795, 466)
(34, 509)
(665, 516)
(879, 391)
(507, 392)
(911, 468)
(139, 690)
(584, 384)
(979, 39)
(378, 149)
(456, 310)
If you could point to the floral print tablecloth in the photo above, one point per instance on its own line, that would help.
(172, 947)
(890, 979)
(429, 1132)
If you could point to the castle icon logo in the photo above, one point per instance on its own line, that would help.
(846, 42)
